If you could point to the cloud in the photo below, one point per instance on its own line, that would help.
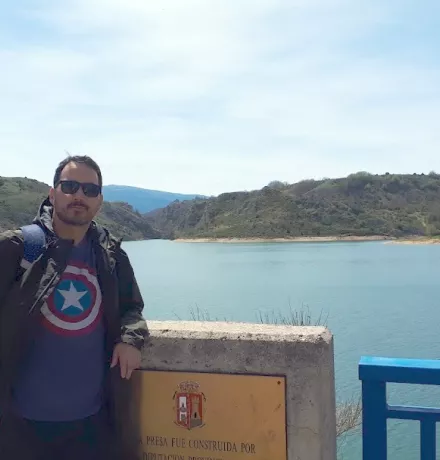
(211, 96)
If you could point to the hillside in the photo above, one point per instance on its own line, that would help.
(360, 205)
(142, 200)
(21, 197)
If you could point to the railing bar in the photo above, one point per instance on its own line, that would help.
(413, 413)
(391, 370)
(398, 375)
(419, 409)
(415, 417)
(427, 440)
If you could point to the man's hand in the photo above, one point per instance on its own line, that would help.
(129, 359)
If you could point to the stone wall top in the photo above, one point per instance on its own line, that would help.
(206, 330)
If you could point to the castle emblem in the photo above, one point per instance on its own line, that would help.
(189, 405)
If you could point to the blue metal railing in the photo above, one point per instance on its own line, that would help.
(375, 373)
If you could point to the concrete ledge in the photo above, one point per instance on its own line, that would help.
(304, 355)
(242, 331)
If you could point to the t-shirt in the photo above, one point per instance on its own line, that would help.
(62, 377)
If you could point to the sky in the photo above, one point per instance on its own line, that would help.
(212, 96)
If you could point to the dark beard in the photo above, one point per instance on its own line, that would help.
(78, 222)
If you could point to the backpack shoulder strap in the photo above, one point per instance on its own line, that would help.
(34, 242)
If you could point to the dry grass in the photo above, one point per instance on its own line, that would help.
(348, 416)
(293, 317)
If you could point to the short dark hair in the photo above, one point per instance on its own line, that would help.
(82, 159)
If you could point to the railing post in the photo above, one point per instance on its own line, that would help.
(374, 420)
(427, 439)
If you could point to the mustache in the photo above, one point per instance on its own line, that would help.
(79, 204)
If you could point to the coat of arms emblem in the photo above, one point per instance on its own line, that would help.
(189, 405)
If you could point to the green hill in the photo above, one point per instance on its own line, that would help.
(21, 197)
(361, 204)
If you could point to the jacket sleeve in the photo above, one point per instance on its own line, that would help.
(11, 252)
(134, 329)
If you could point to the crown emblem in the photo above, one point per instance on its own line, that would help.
(189, 387)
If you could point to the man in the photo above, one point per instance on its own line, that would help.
(71, 327)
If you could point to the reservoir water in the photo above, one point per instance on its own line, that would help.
(378, 299)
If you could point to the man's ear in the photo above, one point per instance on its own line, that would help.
(51, 195)
(101, 200)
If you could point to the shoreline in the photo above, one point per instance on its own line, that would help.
(416, 240)
(300, 239)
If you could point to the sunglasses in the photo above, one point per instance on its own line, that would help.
(70, 187)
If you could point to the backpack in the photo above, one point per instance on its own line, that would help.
(34, 239)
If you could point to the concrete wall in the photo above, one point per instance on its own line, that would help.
(303, 354)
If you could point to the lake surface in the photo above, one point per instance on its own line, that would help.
(379, 299)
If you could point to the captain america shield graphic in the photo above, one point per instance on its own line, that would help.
(74, 306)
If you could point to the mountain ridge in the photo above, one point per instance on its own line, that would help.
(361, 204)
(143, 200)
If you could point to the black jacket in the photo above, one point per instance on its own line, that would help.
(22, 294)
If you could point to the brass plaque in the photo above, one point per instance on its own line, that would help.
(201, 416)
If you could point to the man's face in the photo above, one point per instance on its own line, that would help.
(75, 208)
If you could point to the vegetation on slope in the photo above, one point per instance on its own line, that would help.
(361, 204)
(20, 199)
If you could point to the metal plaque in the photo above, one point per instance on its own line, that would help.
(210, 416)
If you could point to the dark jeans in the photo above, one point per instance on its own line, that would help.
(87, 439)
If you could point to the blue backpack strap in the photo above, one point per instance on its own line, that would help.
(34, 240)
